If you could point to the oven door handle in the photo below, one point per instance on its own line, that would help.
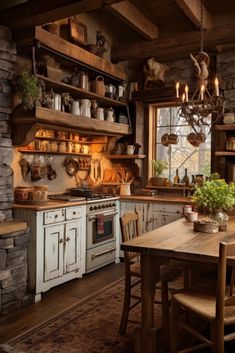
(93, 255)
(90, 218)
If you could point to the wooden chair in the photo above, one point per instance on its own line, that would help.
(131, 228)
(214, 303)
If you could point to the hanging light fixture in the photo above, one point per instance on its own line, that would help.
(202, 104)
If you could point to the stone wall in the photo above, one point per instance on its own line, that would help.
(13, 270)
(226, 71)
(7, 66)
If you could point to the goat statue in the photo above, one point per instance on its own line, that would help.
(154, 72)
(201, 62)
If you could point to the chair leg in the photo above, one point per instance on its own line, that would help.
(126, 306)
(174, 326)
(217, 337)
(165, 311)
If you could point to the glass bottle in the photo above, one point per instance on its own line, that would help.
(186, 178)
(176, 177)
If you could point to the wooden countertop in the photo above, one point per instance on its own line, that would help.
(157, 198)
(49, 205)
(12, 227)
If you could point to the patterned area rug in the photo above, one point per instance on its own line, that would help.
(90, 326)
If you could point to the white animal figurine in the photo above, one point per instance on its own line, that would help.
(154, 71)
(201, 62)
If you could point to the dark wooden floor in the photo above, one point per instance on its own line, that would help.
(57, 300)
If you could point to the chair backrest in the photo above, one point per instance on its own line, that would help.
(130, 228)
(222, 298)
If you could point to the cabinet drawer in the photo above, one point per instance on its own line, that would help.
(53, 216)
(73, 213)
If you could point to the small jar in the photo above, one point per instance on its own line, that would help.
(54, 146)
(62, 147)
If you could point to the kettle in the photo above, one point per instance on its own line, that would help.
(110, 91)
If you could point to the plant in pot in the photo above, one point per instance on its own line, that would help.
(214, 197)
(28, 89)
(159, 167)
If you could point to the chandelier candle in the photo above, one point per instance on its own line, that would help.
(186, 93)
(202, 91)
(216, 87)
(177, 86)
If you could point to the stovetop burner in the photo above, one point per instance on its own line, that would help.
(89, 194)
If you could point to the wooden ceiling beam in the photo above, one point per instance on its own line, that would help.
(183, 42)
(37, 12)
(5, 4)
(135, 18)
(192, 10)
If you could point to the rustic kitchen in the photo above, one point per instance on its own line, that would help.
(117, 176)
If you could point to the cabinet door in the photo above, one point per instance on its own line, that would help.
(72, 254)
(53, 251)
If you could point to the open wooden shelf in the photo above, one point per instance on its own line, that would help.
(22, 150)
(225, 127)
(125, 156)
(224, 153)
(69, 140)
(27, 123)
(70, 51)
(79, 92)
(180, 188)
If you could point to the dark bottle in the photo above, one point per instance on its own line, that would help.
(176, 177)
(186, 178)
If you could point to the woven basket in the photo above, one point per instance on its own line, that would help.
(99, 86)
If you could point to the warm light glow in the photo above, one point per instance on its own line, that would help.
(216, 87)
(202, 91)
(177, 86)
(186, 89)
(183, 97)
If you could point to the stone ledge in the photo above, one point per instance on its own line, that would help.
(12, 227)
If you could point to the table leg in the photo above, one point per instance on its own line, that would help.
(149, 276)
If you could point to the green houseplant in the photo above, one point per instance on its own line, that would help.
(214, 197)
(28, 89)
(159, 167)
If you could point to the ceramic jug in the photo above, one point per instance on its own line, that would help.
(56, 101)
(130, 149)
(75, 107)
(100, 113)
(85, 107)
(83, 80)
(120, 91)
(110, 115)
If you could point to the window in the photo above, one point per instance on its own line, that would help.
(181, 155)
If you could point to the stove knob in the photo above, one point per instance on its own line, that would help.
(110, 205)
(114, 204)
(91, 208)
(95, 207)
(103, 206)
(106, 205)
(99, 207)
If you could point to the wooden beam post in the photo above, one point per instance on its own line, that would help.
(192, 10)
(135, 18)
(44, 11)
(165, 48)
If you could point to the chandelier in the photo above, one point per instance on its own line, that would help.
(206, 101)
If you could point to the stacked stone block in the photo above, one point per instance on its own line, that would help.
(13, 270)
(7, 67)
(226, 71)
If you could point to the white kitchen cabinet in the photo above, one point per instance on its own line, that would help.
(57, 246)
(153, 214)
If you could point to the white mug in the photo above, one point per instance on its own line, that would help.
(191, 216)
(130, 149)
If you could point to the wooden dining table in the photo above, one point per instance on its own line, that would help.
(178, 241)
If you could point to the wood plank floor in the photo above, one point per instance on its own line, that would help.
(57, 300)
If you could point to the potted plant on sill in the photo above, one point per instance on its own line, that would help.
(159, 167)
(214, 197)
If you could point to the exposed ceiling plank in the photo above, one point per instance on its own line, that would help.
(40, 12)
(192, 10)
(183, 42)
(5, 4)
(135, 18)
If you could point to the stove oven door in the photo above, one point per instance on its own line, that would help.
(100, 229)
